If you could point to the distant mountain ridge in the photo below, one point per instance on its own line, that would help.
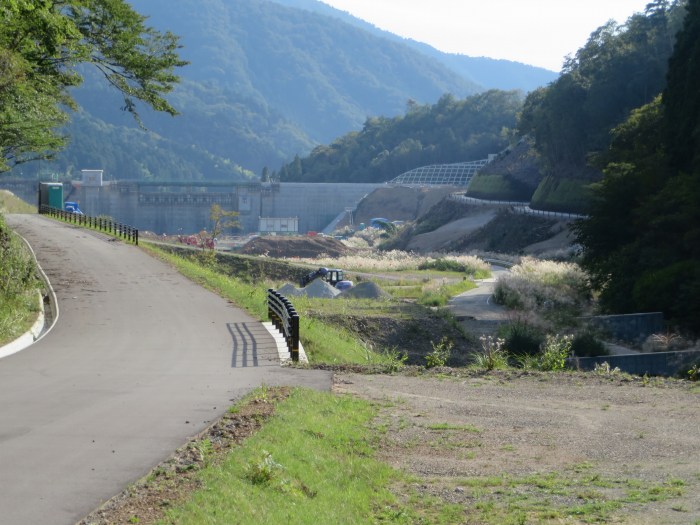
(267, 81)
(490, 73)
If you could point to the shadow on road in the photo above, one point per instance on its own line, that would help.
(247, 352)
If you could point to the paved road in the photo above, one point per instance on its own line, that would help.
(478, 303)
(139, 360)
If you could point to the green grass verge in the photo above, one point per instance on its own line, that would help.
(315, 461)
(9, 203)
(19, 300)
(322, 342)
(441, 295)
(312, 462)
(17, 315)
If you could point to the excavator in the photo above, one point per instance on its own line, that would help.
(332, 277)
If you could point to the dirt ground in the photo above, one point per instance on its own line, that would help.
(520, 424)
(437, 239)
(400, 203)
(303, 247)
(596, 436)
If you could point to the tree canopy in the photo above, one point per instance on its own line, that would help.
(450, 130)
(642, 240)
(620, 68)
(43, 45)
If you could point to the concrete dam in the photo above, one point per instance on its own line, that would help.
(184, 207)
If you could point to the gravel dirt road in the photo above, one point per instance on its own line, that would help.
(633, 433)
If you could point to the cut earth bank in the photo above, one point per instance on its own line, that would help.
(436, 224)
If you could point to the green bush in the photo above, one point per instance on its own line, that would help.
(440, 353)
(493, 356)
(18, 269)
(264, 470)
(555, 350)
(521, 338)
(443, 265)
(585, 344)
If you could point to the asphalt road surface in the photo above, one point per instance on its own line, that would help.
(478, 303)
(139, 360)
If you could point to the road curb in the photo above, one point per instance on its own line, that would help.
(38, 329)
(282, 350)
(29, 337)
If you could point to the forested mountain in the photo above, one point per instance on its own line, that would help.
(451, 130)
(621, 67)
(642, 240)
(265, 82)
(490, 73)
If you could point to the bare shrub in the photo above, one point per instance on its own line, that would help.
(542, 286)
(397, 260)
(667, 342)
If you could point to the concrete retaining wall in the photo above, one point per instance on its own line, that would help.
(633, 328)
(654, 364)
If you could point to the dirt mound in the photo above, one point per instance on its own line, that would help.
(509, 232)
(305, 247)
(365, 290)
(445, 235)
(400, 203)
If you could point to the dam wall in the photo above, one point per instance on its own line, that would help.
(176, 207)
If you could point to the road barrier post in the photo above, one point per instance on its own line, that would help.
(285, 318)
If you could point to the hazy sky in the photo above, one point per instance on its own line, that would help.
(537, 32)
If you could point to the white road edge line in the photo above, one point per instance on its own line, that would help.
(36, 332)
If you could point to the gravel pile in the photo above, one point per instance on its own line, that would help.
(289, 290)
(318, 289)
(366, 290)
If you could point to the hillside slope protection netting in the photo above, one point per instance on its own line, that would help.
(457, 174)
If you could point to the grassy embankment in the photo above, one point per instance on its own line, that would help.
(562, 195)
(324, 342)
(498, 187)
(316, 460)
(19, 301)
(313, 462)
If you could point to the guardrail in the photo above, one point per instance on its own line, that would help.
(460, 197)
(516, 207)
(127, 233)
(285, 318)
